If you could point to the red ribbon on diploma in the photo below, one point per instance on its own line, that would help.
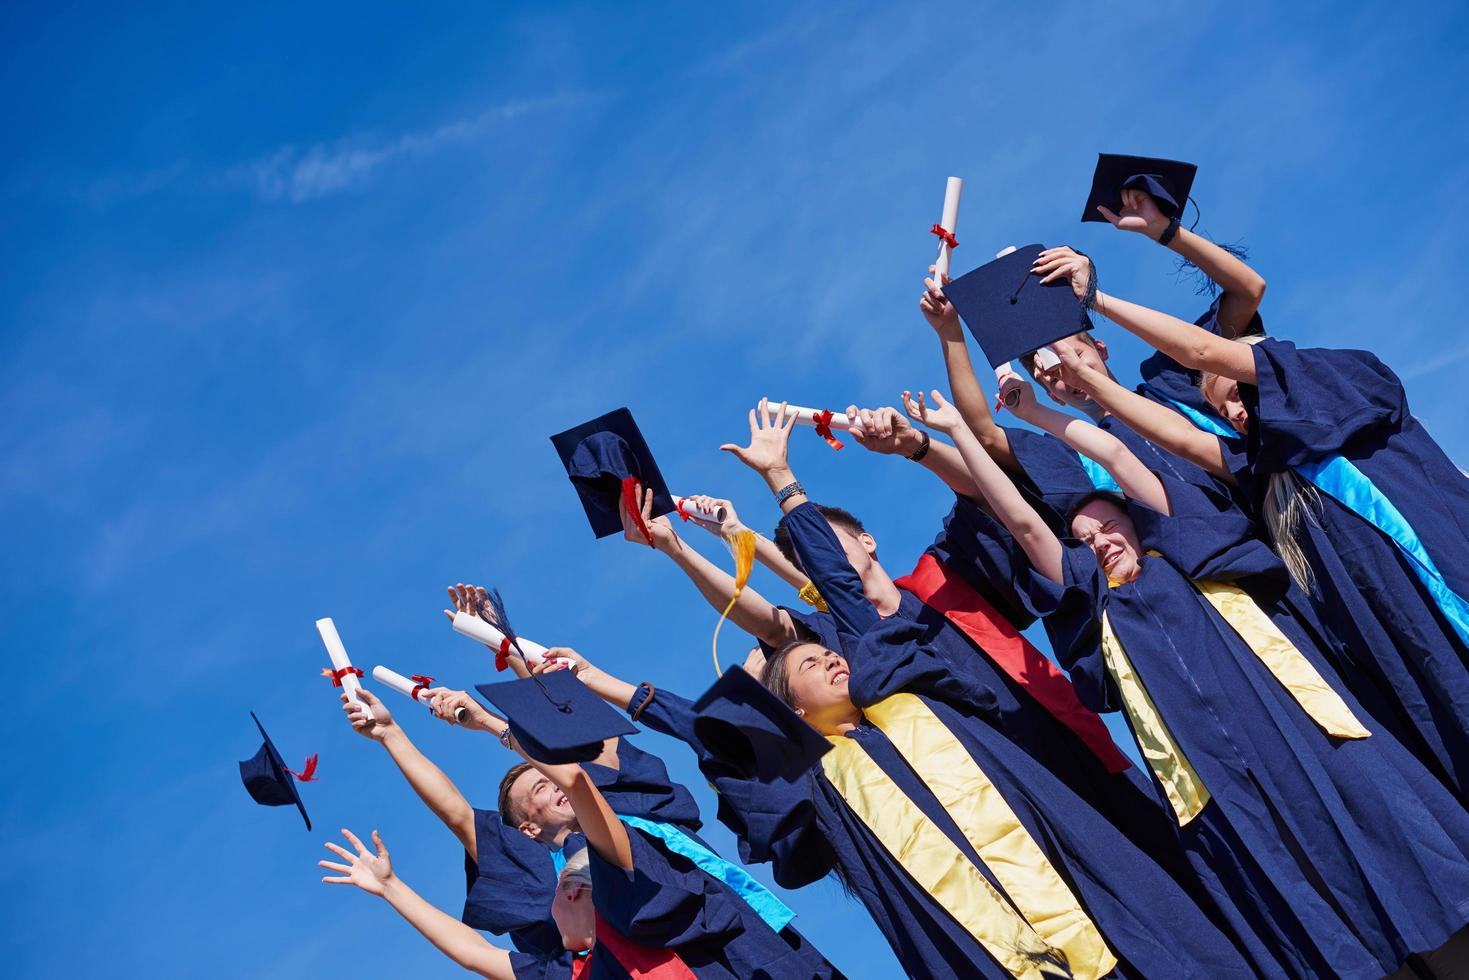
(947, 237)
(420, 683)
(502, 655)
(337, 675)
(823, 427)
(308, 773)
(678, 506)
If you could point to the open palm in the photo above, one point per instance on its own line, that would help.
(770, 435)
(368, 871)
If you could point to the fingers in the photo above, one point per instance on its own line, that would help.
(338, 850)
(334, 866)
(338, 881)
(1109, 214)
(765, 413)
(377, 841)
(754, 426)
(368, 696)
(352, 839)
(937, 399)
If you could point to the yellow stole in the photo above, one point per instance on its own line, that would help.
(1045, 922)
(1182, 785)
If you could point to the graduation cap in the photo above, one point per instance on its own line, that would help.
(269, 781)
(555, 717)
(1168, 181)
(1008, 310)
(605, 458)
(744, 726)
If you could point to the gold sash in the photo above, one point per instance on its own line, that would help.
(1045, 923)
(1182, 785)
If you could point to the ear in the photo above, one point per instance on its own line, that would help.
(1101, 346)
(868, 542)
(530, 829)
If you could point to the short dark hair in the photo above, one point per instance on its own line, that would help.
(516, 816)
(835, 516)
(1028, 360)
(776, 676)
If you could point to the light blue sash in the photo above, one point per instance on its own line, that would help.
(1099, 476)
(776, 913)
(1337, 477)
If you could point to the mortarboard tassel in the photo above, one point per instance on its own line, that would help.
(496, 617)
(1204, 286)
(634, 506)
(308, 772)
(742, 545)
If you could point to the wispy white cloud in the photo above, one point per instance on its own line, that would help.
(300, 174)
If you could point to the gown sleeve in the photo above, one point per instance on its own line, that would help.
(509, 886)
(812, 625)
(822, 558)
(1071, 612)
(1314, 401)
(983, 552)
(1207, 537)
(658, 906)
(1055, 470)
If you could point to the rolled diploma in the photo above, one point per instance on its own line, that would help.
(1046, 359)
(338, 654)
(807, 416)
(950, 222)
(717, 516)
(404, 686)
(477, 629)
(1002, 372)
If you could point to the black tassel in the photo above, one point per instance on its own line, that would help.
(1204, 286)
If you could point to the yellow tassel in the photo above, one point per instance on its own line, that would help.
(742, 545)
(812, 597)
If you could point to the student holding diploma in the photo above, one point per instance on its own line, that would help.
(1324, 842)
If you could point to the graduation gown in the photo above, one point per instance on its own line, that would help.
(1326, 413)
(1324, 842)
(1030, 694)
(511, 881)
(941, 820)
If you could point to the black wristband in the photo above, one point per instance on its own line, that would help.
(1169, 232)
(922, 450)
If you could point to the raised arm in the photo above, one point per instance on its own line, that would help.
(1041, 545)
(434, 788)
(766, 553)
(373, 873)
(1243, 287)
(886, 432)
(1135, 479)
(1188, 344)
(605, 834)
(968, 393)
(753, 613)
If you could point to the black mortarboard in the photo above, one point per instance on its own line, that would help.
(267, 778)
(744, 726)
(1008, 310)
(1168, 181)
(599, 455)
(555, 718)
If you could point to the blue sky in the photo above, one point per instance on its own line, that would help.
(292, 297)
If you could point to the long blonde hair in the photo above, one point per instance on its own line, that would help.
(1289, 501)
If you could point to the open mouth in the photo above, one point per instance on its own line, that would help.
(839, 676)
(1109, 563)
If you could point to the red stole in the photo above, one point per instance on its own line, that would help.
(940, 589)
(639, 962)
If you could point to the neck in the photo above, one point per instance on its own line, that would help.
(558, 838)
(880, 590)
(842, 725)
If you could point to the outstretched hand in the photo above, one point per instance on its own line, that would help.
(1016, 394)
(941, 416)
(937, 309)
(471, 599)
(729, 527)
(882, 430)
(770, 436)
(374, 726)
(662, 531)
(1140, 214)
(368, 871)
(1064, 262)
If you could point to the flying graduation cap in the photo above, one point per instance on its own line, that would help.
(269, 781)
(1009, 312)
(555, 717)
(741, 725)
(1168, 181)
(605, 459)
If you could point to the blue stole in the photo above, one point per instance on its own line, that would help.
(1338, 477)
(777, 914)
(1099, 476)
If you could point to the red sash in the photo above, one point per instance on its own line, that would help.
(937, 587)
(640, 962)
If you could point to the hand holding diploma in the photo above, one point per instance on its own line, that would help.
(471, 604)
(822, 420)
(343, 674)
(1011, 385)
(702, 508)
(415, 687)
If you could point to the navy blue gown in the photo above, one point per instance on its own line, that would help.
(1331, 857)
(1310, 406)
(793, 816)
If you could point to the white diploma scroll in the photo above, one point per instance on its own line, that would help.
(404, 686)
(1046, 359)
(338, 654)
(807, 416)
(477, 629)
(1007, 370)
(716, 516)
(949, 223)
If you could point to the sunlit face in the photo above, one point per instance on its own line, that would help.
(575, 914)
(1105, 528)
(1060, 382)
(1222, 394)
(818, 680)
(547, 810)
